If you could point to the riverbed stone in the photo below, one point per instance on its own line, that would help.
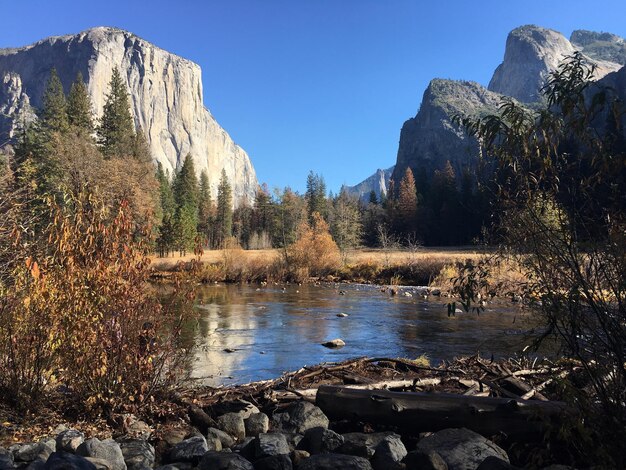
(242, 407)
(363, 444)
(224, 461)
(274, 462)
(67, 461)
(461, 448)
(257, 423)
(189, 450)
(298, 456)
(495, 463)
(389, 453)
(69, 440)
(333, 462)
(226, 439)
(100, 464)
(34, 451)
(138, 454)
(177, 466)
(319, 440)
(299, 417)
(267, 445)
(6, 460)
(418, 460)
(199, 419)
(334, 343)
(107, 449)
(233, 424)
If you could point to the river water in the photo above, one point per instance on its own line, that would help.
(274, 329)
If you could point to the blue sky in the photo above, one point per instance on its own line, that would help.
(320, 85)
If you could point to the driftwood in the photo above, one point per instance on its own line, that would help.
(421, 412)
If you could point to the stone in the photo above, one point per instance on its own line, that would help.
(100, 464)
(224, 461)
(233, 424)
(257, 423)
(165, 93)
(69, 440)
(267, 445)
(363, 444)
(226, 439)
(342, 315)
(36, 465)
(246, 447)
(138, 454)
(320, 440)
(107, 449)
(298, 456)
(389, 454)
(299, 417)
(461, 449)
(494, 463)
(334, 343)
(189, 450)
(173, 436)
(177, 466)
(293, 439)
(200, 419)
(333, 462)
(275, 462)
(6, 460)
(34, 451)
(134, 428)
(68, 461)
(418, 460)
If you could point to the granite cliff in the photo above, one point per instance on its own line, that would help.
(165, 92)
(378, 182)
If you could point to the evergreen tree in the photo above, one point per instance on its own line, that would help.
(373, 199)
(186, 185)
(346, 227)
(407, 205)
(166, 197)
(79, 109)
(141, 149)
(316, 196)
(54, 111)
(224, 216)
(116, 132)
(205, 206)
(185, 223)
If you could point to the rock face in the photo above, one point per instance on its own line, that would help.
(378, 182)
(431, 138)
(533, 52)
(165, 92)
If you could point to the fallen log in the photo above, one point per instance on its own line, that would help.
(423, 412)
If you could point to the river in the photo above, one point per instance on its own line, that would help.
(269, 330)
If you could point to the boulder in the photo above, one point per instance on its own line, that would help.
(6, 460)
(389, 453)
(177, 466)
(224, 461)
(108, 450)
(226, 439)
(34, 451)
(334, 462)
(320, 440)
(461, 449)
(100, 464)
(257, 423)
(69, 440)
(189, 450)
(233, 424)
(200, 419)
(275, 462)
(267, 445)
(138, 454)
(298, 456)
(494, 463)
(334, 343)
(298, 418)
(418, 460)
(362, 444)
(68, 461)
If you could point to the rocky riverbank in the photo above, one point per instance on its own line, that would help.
(278, 425)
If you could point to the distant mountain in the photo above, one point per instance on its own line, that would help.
(378, 182)
(165, 92)
(429, 139)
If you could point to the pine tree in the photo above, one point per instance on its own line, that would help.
(141, 150)
(79, 108)
(205, 206)
(407, 204)
(185, 223)
(116, 132)
(166, 197)
(224, 217)
(186, 185)
(316, 196)
(373, 199)
(54, 111)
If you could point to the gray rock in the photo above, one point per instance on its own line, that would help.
(108, 450)
(233, 424)
(138, 454)
(36, 465)
(224, 461)
(6, 460)
(389, 453)
(418, 460)
(100, 464)
(461, 449)
(200, 419)
(189, 450)
(320, 440)
(35, 451)
(494, 463)
(267, 445)
(378, 182)
(68, 461)
(177, 466)
(333, 462)
(257, 423)
(299, 417)
(362, 444)
(275, 462)
(334, 343)
(298, 456)
(293, 439)
(173, 436)
(69, 440)
(165, 93)
(225, 438)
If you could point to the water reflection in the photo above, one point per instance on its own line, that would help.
(272, 329)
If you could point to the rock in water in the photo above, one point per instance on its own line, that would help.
(165, 92)
(334, 343)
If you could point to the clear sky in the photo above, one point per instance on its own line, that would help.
(320, 85)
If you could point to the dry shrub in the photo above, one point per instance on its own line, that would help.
(78, 312)
(314, 252)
